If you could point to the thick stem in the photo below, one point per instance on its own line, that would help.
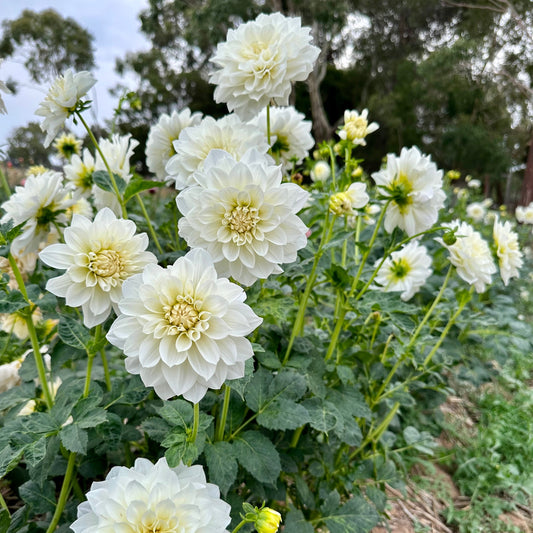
(241, 524)
(224, 415)
(196, 422)
(148, 221)
(106, 369)
(39, 362)
(109, 171)
(5, 184)
(63, 495)
(3, 503)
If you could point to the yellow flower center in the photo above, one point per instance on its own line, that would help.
(356, 128)
(182, 315)
(105, 263)
(400, 190)
(399, 269)
(185, 317)
(241, 220)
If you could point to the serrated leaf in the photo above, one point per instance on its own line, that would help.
(181, 449)
(257, 391)
(295, 523)
(349, 432)
(239, 385)
(35, 452)
(350, 401)
(130, 391)
(323, 415)
(222, 464)
(41, 498)
(304, 492)
(74, 438)
(283, 414)
(355, 516)
(5, 520)
(137, 185)
(156, 427)
(258, 456)
(12, 302)
(9, 458)
(177, 413)
(102, 179)
(17, 395)
(72, 332)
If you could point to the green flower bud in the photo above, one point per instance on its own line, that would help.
(267, 521)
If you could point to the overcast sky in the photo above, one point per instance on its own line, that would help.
(115, 27)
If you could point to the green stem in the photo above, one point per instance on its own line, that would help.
(332, 165)
(106, 369)
(296, 437)
(241, 524)
(5, 184)
(3, 503)
(148, 221)
(298, 323)
(222, 420)
(357, 235)
(39, 362)
(196, 422)
(109, 171)
(344, 245)
(336, 332)
(63, 495)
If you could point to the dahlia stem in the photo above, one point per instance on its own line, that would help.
(106, 368)
(241, 524)
(222, 420)
(109, 171)
(5, 184)
(148, 221)
(357, 236)
(196, 422)
(63, 495)
(3, 503)
(39, 362)
(332, 165)
(298, 323)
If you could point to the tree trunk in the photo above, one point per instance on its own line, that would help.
(527, 185)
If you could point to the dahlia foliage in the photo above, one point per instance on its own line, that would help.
(216, 330)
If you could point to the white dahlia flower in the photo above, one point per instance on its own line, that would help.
(67, 144)
(345, 203)
(61, 101)
(3, 88)
(524, 214)
(471, 255)
(476, 211)
(259, 61)
(117, 153)
(153, 498)
(97, 256)
(473, 184)
(182, 328)
(356, 127)
(79, 172)
(42, 203)
(9, 375)
(159, 147)
(291, 137)
(404, 271)
(507, 250)
(414, 186)
(321, 171)
(196, 142)
(243, 215)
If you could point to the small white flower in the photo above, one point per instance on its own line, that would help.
(344, 203)
(243, 215)
(321, 171)
(471, 255)
(524, 214)
(507, 250)
(9, 375)
(356, 127)
(97, 256)
(79, 172)
(42, 204)
(414, 186)
(153, 498)
(67, 145)
(3, 88)
(474, 184)
(117, 153)
(196, 142)
(291, 137)
(476, 211)
(159, 147)
(182, 328)
(259, 61)
(61, 101)
(404, 271)
(16, 323)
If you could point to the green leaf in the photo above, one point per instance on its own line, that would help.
(258, 456)
(12, 302)
(9, 458)
(17, 395)
(323, 415)
(355, 516)
(276, 308)
(102, 179)
(239, 385)
(350, 401)
(304, 492)
(349, 432)
(177, 413)
(137, 185)
(35, 452)
(74, 438)
(5, 519)
(129, 392)
(222, 464)
(40, 498)
(181, 449)
(71, 332)
(295, 523)
(282, 414)
(156, 427)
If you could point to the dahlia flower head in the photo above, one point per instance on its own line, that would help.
(182, 328)
(9, 375)
(471, 255)
(79, 173)
(243, 215)
(150, 497)
(67, 144)
(159, 146)
(413, 184)
(524, 214)
(98, 257)
(117, 152)
(356, 127)
(61, 101)
(195, 143)
(41, 203)
(507, 250)
(259, 61)
(290, 133)
(321, 172)
(345, 203)
(404, 271)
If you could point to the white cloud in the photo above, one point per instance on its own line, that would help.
(115, 27)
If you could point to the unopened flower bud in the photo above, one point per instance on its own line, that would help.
(358, 172)
(268, 521)
(449, 238)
